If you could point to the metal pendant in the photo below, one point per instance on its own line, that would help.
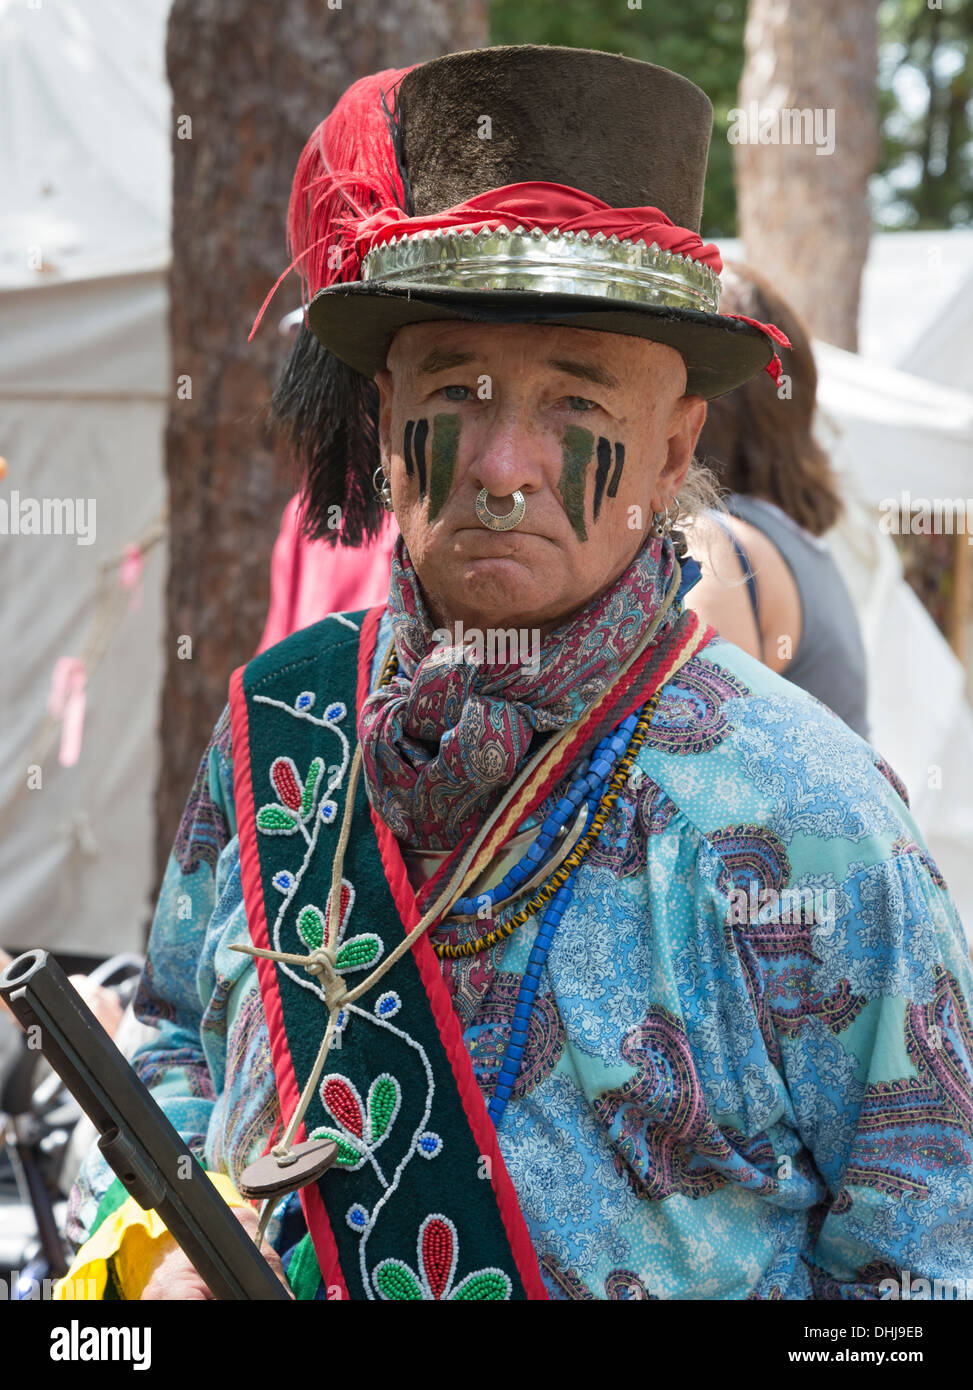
(501, 523)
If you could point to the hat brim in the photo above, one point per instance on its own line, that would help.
(357, 322)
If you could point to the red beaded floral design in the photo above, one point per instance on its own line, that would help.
(437, 1251)
(295, 798)
(362, 1126)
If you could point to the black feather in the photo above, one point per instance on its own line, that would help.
(328, 413)
(395, 135)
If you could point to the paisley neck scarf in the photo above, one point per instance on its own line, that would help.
(443, 739)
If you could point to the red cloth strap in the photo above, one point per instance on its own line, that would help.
(543, 205)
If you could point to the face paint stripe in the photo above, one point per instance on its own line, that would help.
(577, 446)
(419, 441)
(601, 472)
(619, 465)
(442, 462)
(407, 448)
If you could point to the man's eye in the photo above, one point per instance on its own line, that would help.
(581, 403)
(463, 390)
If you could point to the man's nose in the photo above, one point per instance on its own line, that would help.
(509, 457)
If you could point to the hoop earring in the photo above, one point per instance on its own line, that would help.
(382, 490)
(663, 522)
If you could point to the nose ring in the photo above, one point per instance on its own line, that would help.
(501, 523)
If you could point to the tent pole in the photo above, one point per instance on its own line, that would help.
(959, 606)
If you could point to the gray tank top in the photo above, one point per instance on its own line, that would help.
(830, 658)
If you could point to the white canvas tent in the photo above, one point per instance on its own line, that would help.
(917, 291)
(894, 432)
(944, 350)
(84, 231)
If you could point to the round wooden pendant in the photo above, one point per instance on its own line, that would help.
(269, 1178)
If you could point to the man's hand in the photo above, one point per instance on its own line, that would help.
(103, 1003)
(175, 1277)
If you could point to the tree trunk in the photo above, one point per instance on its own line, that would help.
(804, 215)
(250, 80)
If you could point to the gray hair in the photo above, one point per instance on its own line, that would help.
(700, 493)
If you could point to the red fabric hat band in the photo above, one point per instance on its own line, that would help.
(542, 205)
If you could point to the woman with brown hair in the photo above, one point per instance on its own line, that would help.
(793, 612)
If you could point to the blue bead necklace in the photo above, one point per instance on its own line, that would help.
(587, 788)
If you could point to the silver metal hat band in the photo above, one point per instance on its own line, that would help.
(552, 262)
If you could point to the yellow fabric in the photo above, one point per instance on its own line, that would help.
(128, 1239)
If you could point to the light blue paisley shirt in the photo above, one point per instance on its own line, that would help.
(749, 1071)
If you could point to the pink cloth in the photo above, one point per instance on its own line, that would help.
(130, 575)
(66, 702)
(310, 579)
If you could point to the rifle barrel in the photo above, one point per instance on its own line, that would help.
(137, 1139)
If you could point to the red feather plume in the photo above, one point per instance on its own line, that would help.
(347, 170)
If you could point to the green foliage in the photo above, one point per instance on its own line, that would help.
(926, 112)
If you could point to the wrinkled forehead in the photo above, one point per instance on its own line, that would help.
(620, 360)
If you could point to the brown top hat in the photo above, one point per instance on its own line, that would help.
(629, 133)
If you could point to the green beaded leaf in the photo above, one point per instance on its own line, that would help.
(311, 781)
(310, 927)
(276, 820)
(395, 1280)
(358, 952)
(348, 1155)
(485, 1285)
(383, 1102)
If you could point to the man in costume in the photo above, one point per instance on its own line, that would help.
(611, 965)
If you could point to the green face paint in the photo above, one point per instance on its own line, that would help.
(577, 447)
(445, 447)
